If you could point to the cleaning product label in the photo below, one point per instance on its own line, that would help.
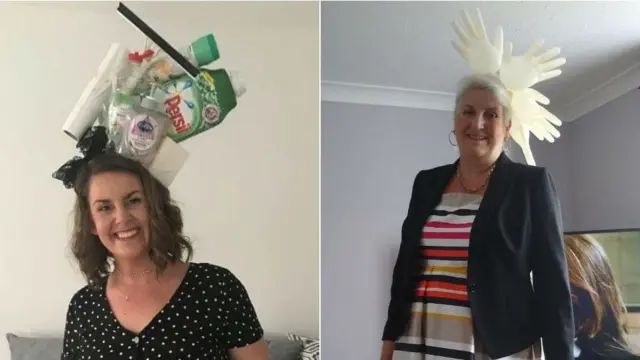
(143, 134)
(196, 106)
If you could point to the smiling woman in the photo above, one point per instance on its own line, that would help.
(144, 297)
(461, 286)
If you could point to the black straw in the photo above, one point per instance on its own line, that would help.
(162, 43)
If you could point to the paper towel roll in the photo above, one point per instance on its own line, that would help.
(168, 162)
(95, 95)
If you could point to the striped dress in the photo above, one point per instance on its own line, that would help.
(441, 327)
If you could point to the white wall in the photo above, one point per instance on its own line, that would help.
(249, 191)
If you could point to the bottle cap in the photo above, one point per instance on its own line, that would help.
(238, 86)
(205, 50)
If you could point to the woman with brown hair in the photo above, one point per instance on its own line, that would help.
(598, 309)
(144, 298)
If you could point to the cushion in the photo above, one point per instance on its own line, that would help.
(284, 349)
(310, 347)
(43, 348)
(34, 348)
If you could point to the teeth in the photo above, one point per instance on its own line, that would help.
(127, 234)
(477, 137)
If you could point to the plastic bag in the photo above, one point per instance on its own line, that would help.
(140, 130)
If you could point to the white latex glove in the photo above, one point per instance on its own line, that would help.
(531, 116)
(521, 72)
(481, 55)
(521, 137)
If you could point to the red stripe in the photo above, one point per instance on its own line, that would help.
(435, 285)
(442, 295)
(445, 235)
(446, 225)
(446, 253)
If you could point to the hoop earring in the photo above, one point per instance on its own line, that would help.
(451, 141)
(507, 145)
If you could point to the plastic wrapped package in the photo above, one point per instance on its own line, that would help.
(137, 128)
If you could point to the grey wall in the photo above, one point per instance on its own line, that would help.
(370, 156)
(604, 166)
(596, 166)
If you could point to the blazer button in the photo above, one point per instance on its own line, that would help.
(472, 287)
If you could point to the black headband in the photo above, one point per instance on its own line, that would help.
(94, 142)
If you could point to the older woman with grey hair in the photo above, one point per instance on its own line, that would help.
(481, 271)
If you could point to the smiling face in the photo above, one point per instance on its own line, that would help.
(119, 213)
(479, 125)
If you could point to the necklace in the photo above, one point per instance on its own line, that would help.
(131, 275)
(127, 309)
(476, 189)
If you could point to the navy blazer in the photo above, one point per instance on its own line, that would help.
(517, 230)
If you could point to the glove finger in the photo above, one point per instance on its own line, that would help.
(464, 38)
(479, 25)
(553, 64)
(508, 50)
(534, 48)
(461, 50)
(550, 129)
(549, 75)
(548, 55)
(473, 32)
(536, 96)
(550, 117)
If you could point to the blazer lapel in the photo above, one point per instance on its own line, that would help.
(438, 186)
(432, 192)
(493, 195)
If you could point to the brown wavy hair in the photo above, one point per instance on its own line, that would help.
(590, 270)
(167, 244)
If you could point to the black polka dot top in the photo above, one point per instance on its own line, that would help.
(209, 314)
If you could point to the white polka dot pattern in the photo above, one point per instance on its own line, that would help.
(209, 314)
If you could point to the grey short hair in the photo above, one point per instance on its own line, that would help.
(487, 82)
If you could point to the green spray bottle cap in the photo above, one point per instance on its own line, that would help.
(205, 50)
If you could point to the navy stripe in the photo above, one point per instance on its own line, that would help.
(443, 278)
(451, 258)
(455, 248)
(441, 301)
(433, 350)
(457, 212)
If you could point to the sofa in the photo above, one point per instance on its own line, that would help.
(281, 347)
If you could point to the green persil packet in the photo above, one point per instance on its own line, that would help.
(196, 106)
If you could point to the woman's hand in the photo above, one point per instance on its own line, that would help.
(387, 350)
(256, 351)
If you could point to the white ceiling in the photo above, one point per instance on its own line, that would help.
(407, 45)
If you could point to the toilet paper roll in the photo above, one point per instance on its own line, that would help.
(168, 161)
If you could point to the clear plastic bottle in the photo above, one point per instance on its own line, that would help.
(145, 131)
